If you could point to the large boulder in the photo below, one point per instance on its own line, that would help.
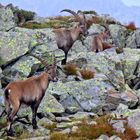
(7, 21)
(133, 40)
(129, 61)
(118, 34)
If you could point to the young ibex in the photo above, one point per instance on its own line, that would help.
(29, 92)
(98, 43)
(65, 38)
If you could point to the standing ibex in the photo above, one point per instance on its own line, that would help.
(29, 92)
(98, 43)
(65, 38)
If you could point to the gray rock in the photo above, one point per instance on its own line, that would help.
(63, 119)
(64, 125)
(6, 19)
(96, 28)
(66, 131)
(118, 34)
(114, 138)
(87, 95)
(133, 40)
(134, 122)
(118, 125)
(103, 137)
(38, 138)
(129, 59)
(82, 115)
(126, 97)
(50, 104)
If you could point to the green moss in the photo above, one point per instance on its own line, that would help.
(1, 61)
(3, 123)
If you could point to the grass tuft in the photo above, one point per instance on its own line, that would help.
(87, 74)
(131, 26)
(70, 69)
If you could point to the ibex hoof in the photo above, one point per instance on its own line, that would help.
(10, 133)
(35, 127)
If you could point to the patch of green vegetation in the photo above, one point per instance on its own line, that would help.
(50, 24)
(3, 123)
(1, 61)
(24, 15)
(90, 12)
(55, 22)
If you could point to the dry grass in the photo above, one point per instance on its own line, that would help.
(87, 74)
(106, 45)
(51, 127)
(87, 131)
(129, 133)
(58, 136)
(70, 69)
(131, 26)
(95, 20)
(64, 18)
(119, 50)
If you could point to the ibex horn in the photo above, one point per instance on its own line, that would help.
(73, 13)
(40, 59)
(53, 60)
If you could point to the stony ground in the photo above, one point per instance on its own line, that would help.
(101, 103)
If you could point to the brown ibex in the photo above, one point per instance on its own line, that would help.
(65, 38)
(98, 43)
(29, 92)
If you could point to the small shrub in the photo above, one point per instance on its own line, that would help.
(87, 74)
(131, 26)
(70, 69)
(119, 50)
(90, 131)
(90, 12)
(24, 15)
(129, 133)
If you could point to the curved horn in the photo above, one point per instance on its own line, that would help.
(73, 13)
(82, 16)
(40, 59)
(53, 60)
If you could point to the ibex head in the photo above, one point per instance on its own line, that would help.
(50, 69)
(80, 17)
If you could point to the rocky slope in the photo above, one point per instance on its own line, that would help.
(114, 89)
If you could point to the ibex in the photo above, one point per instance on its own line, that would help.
(98, 43)
(65, 38)
(29, 92)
